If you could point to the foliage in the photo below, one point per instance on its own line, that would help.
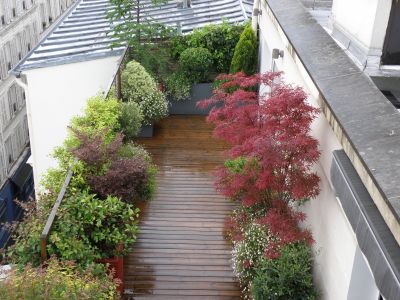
(155, 59)
(124, 178)
(95, 152)
(100, 115)
(273, 129)
(219, 39)
(249, 250)
(245, 55)
(137, 30)
(195, 64)
(100, 224)
(59, 280)
(131, 150)
(270, 171)
(131, 119)
(283, 221)
(178, 87)
(154, 107)
(136, 82)
(177, 44)
(26, 247)
(288, 277)
(86, 228)
(138, 86)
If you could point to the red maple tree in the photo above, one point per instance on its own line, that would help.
(272, 128)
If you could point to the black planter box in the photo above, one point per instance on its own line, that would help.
(200, 91)
(146, 131)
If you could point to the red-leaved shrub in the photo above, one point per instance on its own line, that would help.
(124, 178)
(274, 129)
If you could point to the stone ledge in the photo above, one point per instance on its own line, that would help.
(364, 121)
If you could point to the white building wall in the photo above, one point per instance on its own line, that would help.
(364, 22)
(55, 95)
(21, 27)
(335, 243)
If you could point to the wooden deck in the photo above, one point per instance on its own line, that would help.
(180, 252)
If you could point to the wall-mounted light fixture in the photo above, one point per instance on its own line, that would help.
(276, 53)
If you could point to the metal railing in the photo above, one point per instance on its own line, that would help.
(50, 220)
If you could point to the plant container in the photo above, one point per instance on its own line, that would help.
(200, 91)
(146, 131)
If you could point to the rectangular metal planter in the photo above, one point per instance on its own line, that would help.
(146, 131)
(200, 91)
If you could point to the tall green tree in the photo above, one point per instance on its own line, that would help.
(245, 55)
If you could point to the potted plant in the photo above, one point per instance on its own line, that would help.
(138, 86)
(190, 83)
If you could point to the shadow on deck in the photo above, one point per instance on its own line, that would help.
(180, 252)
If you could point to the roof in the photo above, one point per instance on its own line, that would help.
(84, 33)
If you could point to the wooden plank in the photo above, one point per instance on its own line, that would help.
(180, 252)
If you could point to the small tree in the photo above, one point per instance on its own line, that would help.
(245, 55)
(271, 132)
(132, 26)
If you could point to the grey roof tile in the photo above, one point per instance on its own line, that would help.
(85, 32)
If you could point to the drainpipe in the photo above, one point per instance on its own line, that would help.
(256, 13)
(24, 86)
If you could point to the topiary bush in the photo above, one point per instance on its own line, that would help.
(245, 55)
(59, 280)
(195, 64)
(178, 87)
(131, 119)
(287, 277)
(138, 86)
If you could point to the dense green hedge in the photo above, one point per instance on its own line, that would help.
(219, 39)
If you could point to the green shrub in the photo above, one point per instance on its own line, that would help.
(86, 228)
(131, 150)
(245, 55)
(287, 277)
(219, 39)
(100, 115)
(178, 87)
(59, 280)
(138, 86)
(136, 82)
(196, 63)
(177, 44)
(154, 107)
(131, 119)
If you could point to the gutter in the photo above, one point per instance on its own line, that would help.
(256, 13)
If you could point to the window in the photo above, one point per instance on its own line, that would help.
(23, 5)
(14, 12)
(3, 20)
(29, 47)
(9, 66)
(19, 56)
